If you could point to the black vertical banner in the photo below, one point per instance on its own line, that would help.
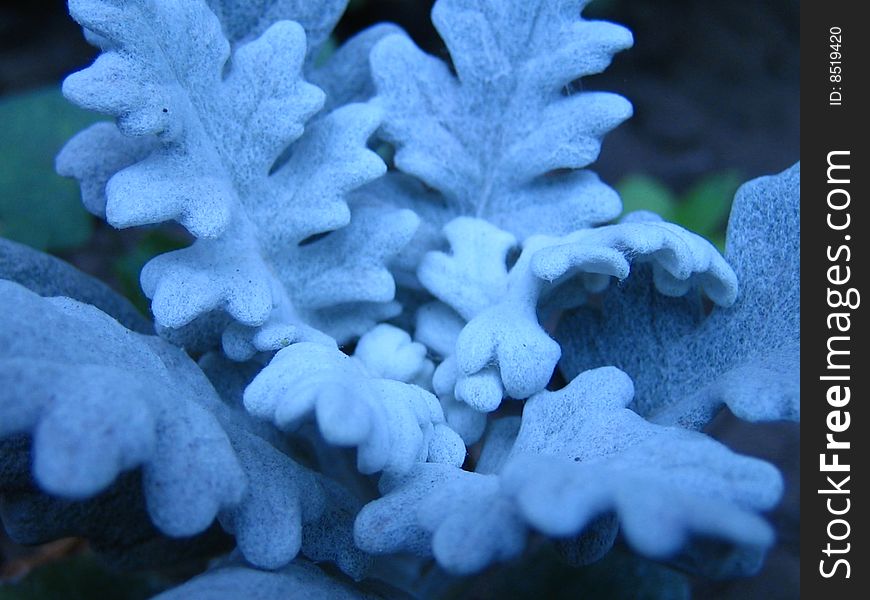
(835, 437)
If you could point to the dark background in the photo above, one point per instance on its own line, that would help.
(715, 86)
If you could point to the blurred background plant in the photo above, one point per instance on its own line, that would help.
(715, 88)
(703, 208)
(37, 207)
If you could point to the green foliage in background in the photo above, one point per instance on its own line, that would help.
(703, 208)
(38, 207)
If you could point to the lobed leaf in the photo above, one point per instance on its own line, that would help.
(109, 405)
(392, 424)
(98, 401)
(246, 20)
(216, 136)
(687, 365)
(577, 456)
(503, 350)
(491, 140)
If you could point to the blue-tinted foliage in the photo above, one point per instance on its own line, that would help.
(685, 364)
(340, 334)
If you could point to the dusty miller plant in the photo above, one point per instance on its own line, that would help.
(356, 365)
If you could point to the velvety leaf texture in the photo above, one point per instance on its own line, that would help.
(355, 369)
(494, 157)
(98, 399)
(503, 350)
(49, 276)
(213, 126)
(393, 424)
(686, 365)
(490, 138)
(245, 20)
(581, 450)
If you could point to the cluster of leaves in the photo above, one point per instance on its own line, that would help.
(342, 350)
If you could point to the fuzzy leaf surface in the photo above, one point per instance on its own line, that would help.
(687, 365)
(98, 401)
(491, 140)
(579, 455)
(220, 141)
(503, 350)
(392, 424)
